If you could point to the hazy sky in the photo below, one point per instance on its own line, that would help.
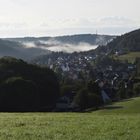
(59, 17)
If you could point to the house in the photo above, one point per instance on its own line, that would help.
(63, 104)
(105, 97)
(131, 67)
(125, 75)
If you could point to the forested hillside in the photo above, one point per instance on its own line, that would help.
(19, 50)
(122, 44)
(92, 39)
(25, 87)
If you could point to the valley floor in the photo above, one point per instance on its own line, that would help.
(120, 121)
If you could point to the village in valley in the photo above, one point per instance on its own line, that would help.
(109, 73)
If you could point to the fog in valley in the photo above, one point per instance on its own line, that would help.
(57, 46)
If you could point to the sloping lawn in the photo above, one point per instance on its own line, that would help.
(128, 107)
(120, 121)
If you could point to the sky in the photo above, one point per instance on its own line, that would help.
(19, 18)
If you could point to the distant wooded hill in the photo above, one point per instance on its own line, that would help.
(31, 47)
(129, 42)
(18, 50)
(91, 39)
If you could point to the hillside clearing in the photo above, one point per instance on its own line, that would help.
(130, 57)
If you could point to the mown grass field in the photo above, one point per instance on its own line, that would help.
(130, 56)
(120, 121)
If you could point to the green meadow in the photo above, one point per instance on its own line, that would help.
(119, 121)
(130, 57)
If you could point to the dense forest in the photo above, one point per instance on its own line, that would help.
(26, 87)
(122, 44)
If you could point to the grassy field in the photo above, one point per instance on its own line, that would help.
(120, 121)
(130, 56)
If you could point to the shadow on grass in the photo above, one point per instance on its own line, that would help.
(107, 107)
(125, 100)
(112, 107)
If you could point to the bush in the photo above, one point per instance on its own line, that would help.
(81, 99)
(85, 99)
(137, 88)
(93, 100)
